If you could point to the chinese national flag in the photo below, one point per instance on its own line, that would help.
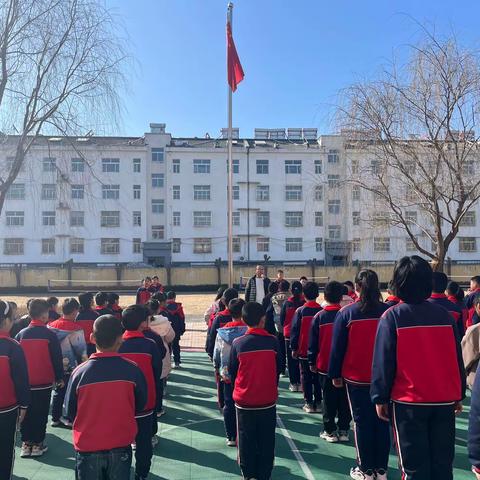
(234, 67)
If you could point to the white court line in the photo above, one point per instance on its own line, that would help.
(303, 464)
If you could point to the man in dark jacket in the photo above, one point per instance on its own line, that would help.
(257, 286)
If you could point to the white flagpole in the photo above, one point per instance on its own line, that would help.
(230, 172)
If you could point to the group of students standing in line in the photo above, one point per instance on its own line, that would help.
(395, 366)
(108, 368)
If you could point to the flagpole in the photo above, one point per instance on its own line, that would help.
(230, 172)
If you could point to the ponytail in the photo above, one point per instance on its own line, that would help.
(297, 290)
(5, 311)
(367, 284)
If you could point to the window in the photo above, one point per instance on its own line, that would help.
(157, 180)
(469, 219)
(356, 219)
(334, 207)
(176, 219)
(376, 167)
(48, 246)
(334, 232)
(201, 166)
(356, 245)
(410, 167)
(202, 219)
(293, 244)
(137, 165)
(78, 192)
(333, 181)
(137, 189)
(319, 219)
(77, 245)
(10, 161)
(409, 245)
(356, 193)
(15, 219)
(262, 167)
(236, 245)
(77, 218)
(158, 232)
(109, 218)
(157, 155)
(293, 192)
(235, 192)
(137, 219)
(236, 219)
(110, 165)
(49, 164)
(381, 244)
(411, 218)
(48, 219)
(13, 246)
(136, 245)
(201, 192)
(319, 244)
(16, 192)
(468, 167)
(49, 191)
(236, 166)
(410, 194)
(467, 244)
(333, 156)
(110, 192)
(77, 164)
(176, 192)
(176, 245)
(202, 245)
(158, 206)
(176, 165)
(262, 193)
(110, 246)
(294, 219)
(263, 219)
(355, 167)
(318, 166)
(293, 166)
(319, 193)
(263, 244)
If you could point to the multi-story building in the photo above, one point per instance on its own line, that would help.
(159, 199)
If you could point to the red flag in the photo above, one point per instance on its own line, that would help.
(234, 67)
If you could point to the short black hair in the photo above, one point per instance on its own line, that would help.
(229, 294)
(171, 295)
(345, 290)
(303, 277)
(311, 290)
(70, 305)
(235, 307)
(439, 282)
(133, 316)
(333, 292)
(453, 288)
(297, 288)
(476, 279)
(279, 270)
(349, 283)
(159, 296)
(101, 298)
(112, 298)
(155, 277)
(52, 301)
(106, 330)
(85, 300)
(284, 286)
(5, 311)
(252, 313)
(412, 279)
(147, 278)
(37, 307)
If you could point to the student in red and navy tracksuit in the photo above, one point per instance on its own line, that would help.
(144, 352)
(112, 304)
(456, 295)
(15, 390)
(155, 286)
(45, 368)
(254, 369)
(474, 291)
(301, 323)
(418, 366)
(144, 293)
(335, 402)
(286, 316)
(86, 317)
(101, 299)
(53, 309)
(392, 299)
(103, 396)
(351, 362)
(178, 316)
(439, 285)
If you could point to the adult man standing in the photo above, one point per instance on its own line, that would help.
(257, 286)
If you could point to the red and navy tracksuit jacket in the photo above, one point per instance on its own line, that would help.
(454, 310)
(418, 358)
(53, 315)
(254, 369)
(320, 340)
(301, 323)
(103, 397)
(86, 319)
(472, 316)
(461, 304)
(352, 343)
(220, 320)
(178, 316)
(155, 288)
(43, 354)
(15, 390)
(117, 311)
(144, 352)
(103, 310)
(392, 300)
(288, 311)
(143, 296)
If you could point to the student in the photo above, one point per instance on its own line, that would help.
(74, 350)
(299, 334)
(101, 300)
(335, 402)
(214, 308)
(303, 280)
(53, 309)
(280, 276)
(144, 352)
(113, 300)
(18, 323)
(144, 293)
(15, 390)
(351, 290)
(45, 368)
(155, 286)
(286, 316)
(103, 397)
(178, 318)
(254, 371)
(417, 366)
(353, 339)
(392, 299)
(221, 356)
(474, 291)
(86, 317)
(471, 347)
(457, 296)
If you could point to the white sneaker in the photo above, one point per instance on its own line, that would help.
(293, 388)
(66, 422)
(381, 475)
(343, 436)
(231, 442)
(26, 450)
(38, 450)
(161, 413)
(309, 408)
(357, 474)
(329, 437)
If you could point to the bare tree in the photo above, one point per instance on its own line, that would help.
(61, 68)
(414, 127)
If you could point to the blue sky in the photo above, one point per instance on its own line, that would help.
(296, 56)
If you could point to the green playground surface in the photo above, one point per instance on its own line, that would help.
(192, 440)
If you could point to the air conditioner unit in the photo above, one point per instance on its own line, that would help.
(63, 205)
(64, 177)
